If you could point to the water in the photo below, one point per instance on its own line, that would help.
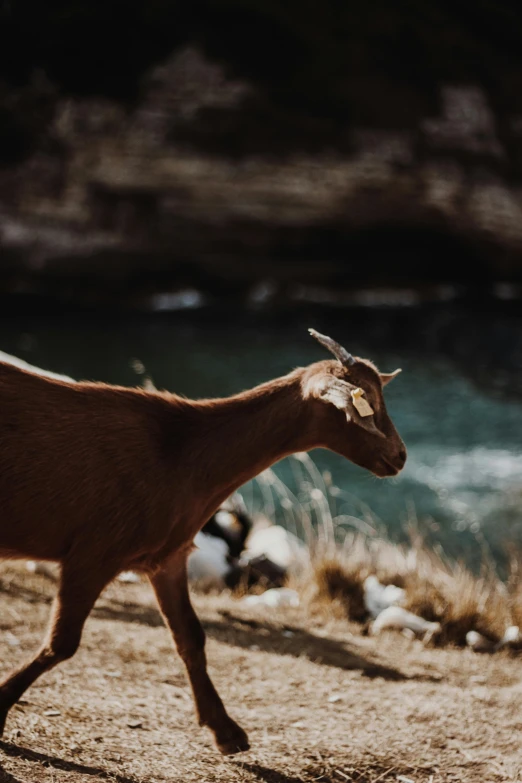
(463, 479)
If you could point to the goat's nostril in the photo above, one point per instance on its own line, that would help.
(402, 455)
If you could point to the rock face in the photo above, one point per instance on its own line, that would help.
(175, 148)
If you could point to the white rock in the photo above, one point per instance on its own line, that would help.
(398, 618)
(278, 545)
(129, 577)
(225, 519)
(11, 639)
(378, 597)
(479, 643)
(209, 561)
(511, 636)
(277, 596)
(39, 567)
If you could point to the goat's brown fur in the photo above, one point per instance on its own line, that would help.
(103, 478)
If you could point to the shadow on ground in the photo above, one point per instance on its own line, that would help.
(269, 637)
(268, 775)
(294, 641)
(236, 631)
(16, 751)
(363, 774)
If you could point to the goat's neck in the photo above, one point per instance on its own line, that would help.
(250, 431)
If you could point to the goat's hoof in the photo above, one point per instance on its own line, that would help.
(235, 741)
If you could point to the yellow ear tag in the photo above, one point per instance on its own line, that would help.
(361, 405)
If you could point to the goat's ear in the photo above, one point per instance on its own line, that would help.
(339, 393)
(386, 377)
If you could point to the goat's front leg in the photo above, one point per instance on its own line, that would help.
(171, 588)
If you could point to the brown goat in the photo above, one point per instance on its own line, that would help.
(103, 479)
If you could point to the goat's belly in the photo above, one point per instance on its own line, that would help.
(15, 547)
(34, 532)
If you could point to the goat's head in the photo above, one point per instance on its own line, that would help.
(349, 413)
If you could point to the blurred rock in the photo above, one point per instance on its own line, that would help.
(277, 596)
(188, 159)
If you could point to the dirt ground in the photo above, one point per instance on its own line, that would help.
(320, 701)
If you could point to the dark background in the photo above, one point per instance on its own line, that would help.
(150, 146)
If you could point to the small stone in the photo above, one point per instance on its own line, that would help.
(135, 724)
(334, 698)
(52, 713)
(479, 643)
(129, 577)
(11, 639)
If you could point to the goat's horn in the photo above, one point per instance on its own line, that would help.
(338, 351)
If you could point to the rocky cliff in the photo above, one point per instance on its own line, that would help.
(157, 145)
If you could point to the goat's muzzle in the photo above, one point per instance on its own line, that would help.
(391, 466)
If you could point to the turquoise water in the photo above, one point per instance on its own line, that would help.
(463, 478)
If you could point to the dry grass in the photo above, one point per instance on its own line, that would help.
(455, 598)
(340, 583)
(515, 586)
(345, 550)
(320, 702)
(516, 606)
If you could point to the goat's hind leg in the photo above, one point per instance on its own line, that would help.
(77, 594)
(170, 586)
